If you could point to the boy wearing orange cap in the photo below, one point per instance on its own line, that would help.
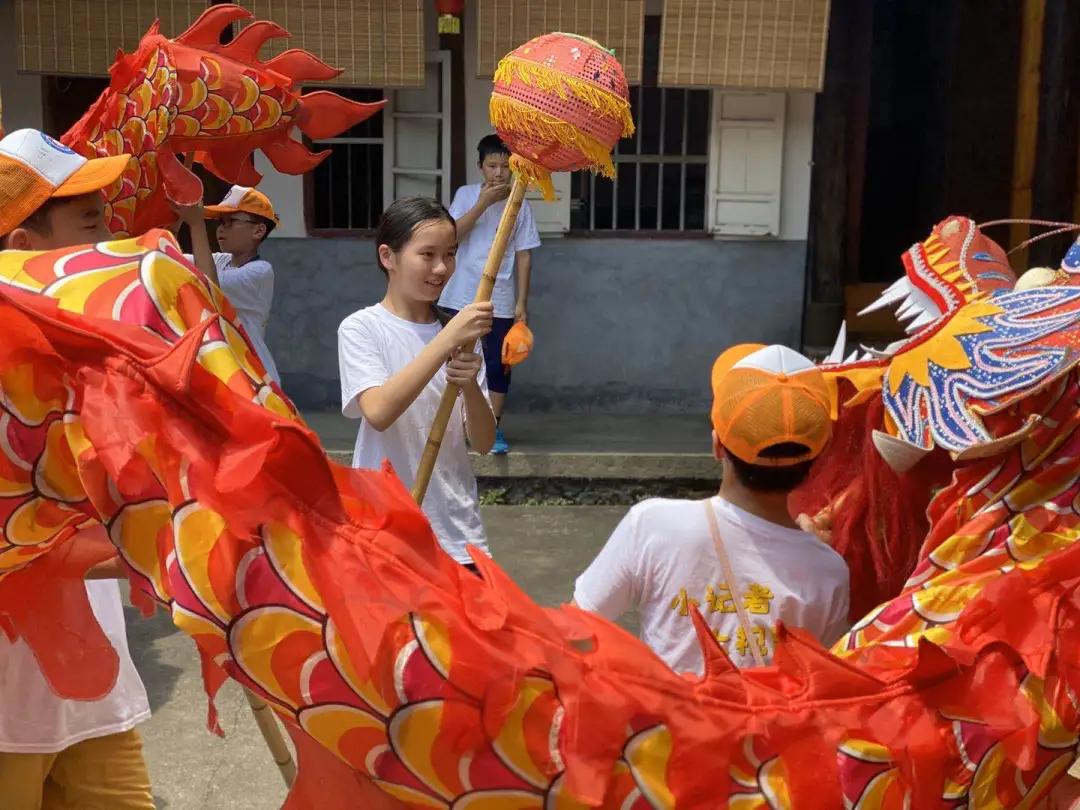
(738, 557)
(55, 752)
(245, 218)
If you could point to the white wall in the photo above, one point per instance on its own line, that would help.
(21, 94)
(286, 192)
(798, 151)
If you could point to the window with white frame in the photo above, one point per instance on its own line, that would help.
(404, 150)
(663, 171)
(345, 191)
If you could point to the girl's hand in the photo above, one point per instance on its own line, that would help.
(463, 368)
(471, 324)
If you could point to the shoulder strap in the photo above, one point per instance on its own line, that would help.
(725, 566)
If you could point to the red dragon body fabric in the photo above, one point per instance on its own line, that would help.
(134, 416)
(322, 589)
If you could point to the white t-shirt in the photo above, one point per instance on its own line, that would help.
(473, 252)
(373, 346)
(661, 560)
(34, 720)
(250, 289)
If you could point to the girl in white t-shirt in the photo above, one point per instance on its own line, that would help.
(396, 359)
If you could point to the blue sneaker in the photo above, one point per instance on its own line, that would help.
(500, 448)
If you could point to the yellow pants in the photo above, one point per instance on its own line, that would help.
(104, 773)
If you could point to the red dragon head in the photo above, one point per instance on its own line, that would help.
(219, 102)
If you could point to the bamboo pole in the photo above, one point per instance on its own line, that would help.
(483, 293)
(1027, 126)
(275, 740)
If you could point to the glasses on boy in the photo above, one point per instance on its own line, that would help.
(230, 221)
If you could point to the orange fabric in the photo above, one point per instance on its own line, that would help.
(517, 344)
(754, 409)
(83, 671)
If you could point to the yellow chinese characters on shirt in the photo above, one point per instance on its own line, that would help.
(756, 601)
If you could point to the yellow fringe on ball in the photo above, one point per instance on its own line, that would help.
(513, 116)
(534, 175)
(541, 77)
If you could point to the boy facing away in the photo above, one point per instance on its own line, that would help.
(58, 753)
(737, 557)
(477, 209)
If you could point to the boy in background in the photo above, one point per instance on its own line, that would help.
(477, 209)
(245, 219)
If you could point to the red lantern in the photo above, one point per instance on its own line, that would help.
(560, 103)
(449, 15)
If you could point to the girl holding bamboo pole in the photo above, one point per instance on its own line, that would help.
(397, 358)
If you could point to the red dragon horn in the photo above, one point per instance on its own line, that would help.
(324, 114)
(292, 157)
(245, 47)
(301, 66)
(234, 168)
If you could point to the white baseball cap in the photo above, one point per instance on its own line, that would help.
(35, 167)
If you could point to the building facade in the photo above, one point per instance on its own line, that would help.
(640, 283)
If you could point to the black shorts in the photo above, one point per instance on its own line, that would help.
(498, 375)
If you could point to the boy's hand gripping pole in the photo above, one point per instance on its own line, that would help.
(483, 293)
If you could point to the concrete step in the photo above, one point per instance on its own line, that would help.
(612, 466)
(591, 446)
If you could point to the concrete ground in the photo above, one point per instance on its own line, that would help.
(543, 548)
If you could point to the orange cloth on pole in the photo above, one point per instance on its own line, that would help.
(517, 344)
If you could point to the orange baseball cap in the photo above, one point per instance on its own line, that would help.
(248, 200)
(35, 167)
(769, 395)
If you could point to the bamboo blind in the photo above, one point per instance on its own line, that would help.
(503, 25)
(81, 37)
(379, 43)
(762, 44)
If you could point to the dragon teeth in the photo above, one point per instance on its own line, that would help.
(894, 292)
(837, 353)
(909, 309)
(924, 302)
(872, 353)
(924, 319)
